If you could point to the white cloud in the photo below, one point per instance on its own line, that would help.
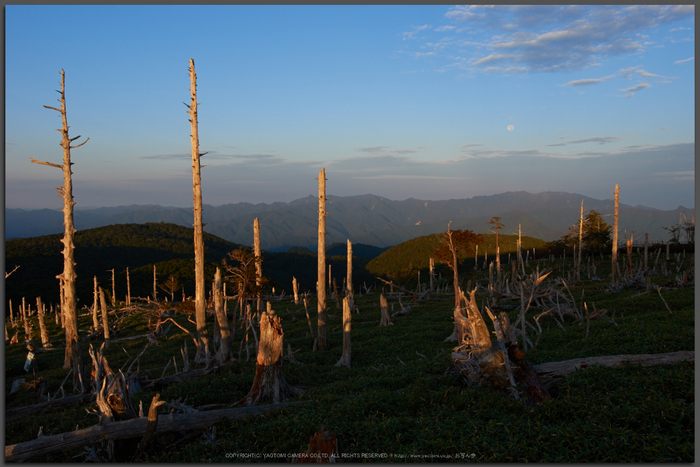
(445, 28)
(683, 61)
(537, 38)
(635, 88)
(587, 82)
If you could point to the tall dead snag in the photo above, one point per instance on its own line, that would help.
(105, 321)
(295, 288)
(95, 302)
(453, 242)
(45, 343)
(432, 268)
(321, 282)
(224, 354)
(384, 308)
(614, 239)
(73, 357)
(199, 300)
(114, 290)
(347, 320)
(128, 288)
(269, 383)
(349, 276)
(496, 227)
(580, 245)
(258, 260)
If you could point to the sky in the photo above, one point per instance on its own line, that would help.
(427, 102)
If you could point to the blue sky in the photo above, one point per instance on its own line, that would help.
(429, 102)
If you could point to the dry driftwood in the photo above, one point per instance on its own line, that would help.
(129, 429)
(550, 372)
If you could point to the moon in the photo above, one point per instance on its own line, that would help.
(511, 128)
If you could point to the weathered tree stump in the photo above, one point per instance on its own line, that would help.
(323, 448)
(384, 307)
(347, 319)
(269, 383)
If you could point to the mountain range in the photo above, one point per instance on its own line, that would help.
(368, 219)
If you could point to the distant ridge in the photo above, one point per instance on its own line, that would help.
(367, 219)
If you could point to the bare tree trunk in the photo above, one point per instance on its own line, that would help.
(68, 307)
(95, 298)
(349, 277)
(224, 354)
(580, 244)
(295, 287)
(321, 282)
(614, 239)
(200, 298)
(458, 315)
(114, 290)
(629, 255)
(384, 309)
(155, 285)
(128, 288)
(105, 321)
(269, 383)
(42, 326)
(347, 321)
(258, 261)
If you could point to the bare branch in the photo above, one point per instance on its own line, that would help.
(52, 108)
(7, 274)
(73, 147)
(45, 163)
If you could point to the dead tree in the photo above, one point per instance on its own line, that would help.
(496, 227)
(128, 288)
(349, 276)
(258, 261)
(455, 241)
(580, 245)
(95, 298)
(321, 282)
(105, 321)
(45, 343)
(269, 383)
(295, 288)
(614, 239)
(384, 309)
(347, 321)
(155, 284)
(114, 290)
(200, 299)
(224, 353)
(73, 357)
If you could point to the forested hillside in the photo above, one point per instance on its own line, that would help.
(415, 254)
(141, 246)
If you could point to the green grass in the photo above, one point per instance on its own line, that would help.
(396, 398)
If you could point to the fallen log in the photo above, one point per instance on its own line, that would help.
(19, 412)
(131, 428)
(551, 372)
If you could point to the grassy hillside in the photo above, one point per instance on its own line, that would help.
(397, 397)
(415, 254)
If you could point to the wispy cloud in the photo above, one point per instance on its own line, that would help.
(167, 156)
(630, 91)
(416, 30)
(588, 82)
(550, 38)
(595, 139)
(683, 61)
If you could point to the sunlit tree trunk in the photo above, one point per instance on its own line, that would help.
(73, 357)
(321, 283)
(200, 299)
(614, 239)
(258, 261)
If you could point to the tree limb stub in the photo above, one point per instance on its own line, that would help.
(131, 428)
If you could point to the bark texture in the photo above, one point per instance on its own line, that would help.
(224, 354)
(384, 309)
(269, 384)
